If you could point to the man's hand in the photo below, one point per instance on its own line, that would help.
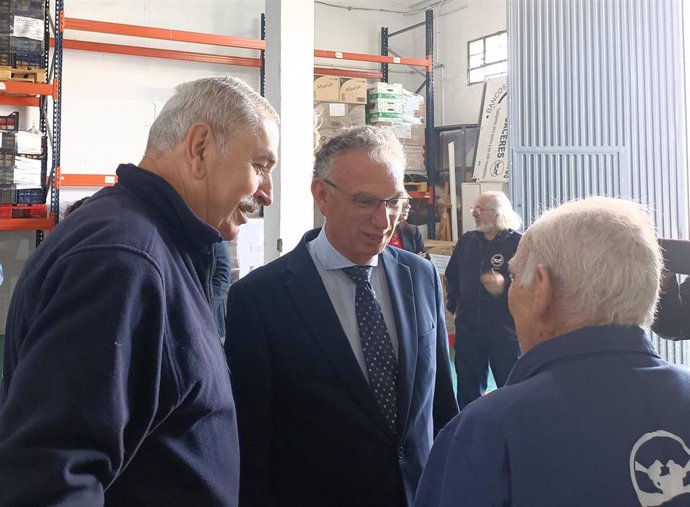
(493, 282)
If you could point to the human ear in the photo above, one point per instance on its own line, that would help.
(321, 195)
(196, 144)
(543, 285)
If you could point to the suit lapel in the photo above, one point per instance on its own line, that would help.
(402, 299)
(311, 299)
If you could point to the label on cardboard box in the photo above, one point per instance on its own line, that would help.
(337, 115)
(327, 88)
(353, 90)
(387, 117)
(395, 88)
(31, 28)
(385, 106)
(382, 95)
(337, 109)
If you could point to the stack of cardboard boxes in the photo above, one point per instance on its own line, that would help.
(347, 102)
(338, 102)
(391, 107)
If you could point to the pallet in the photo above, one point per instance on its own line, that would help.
(416, 187)
(23, 74)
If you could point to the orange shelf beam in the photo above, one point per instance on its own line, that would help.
(332, 71)
(27, 224)
(21, 88)
(10, 100)
(339, 55)
(85, 25)
(168, 54)
(87, 180)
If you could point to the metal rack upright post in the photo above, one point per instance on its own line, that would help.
(19, 93)
(428, 86)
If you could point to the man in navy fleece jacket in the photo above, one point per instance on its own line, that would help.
(116, 389)
(590, 415)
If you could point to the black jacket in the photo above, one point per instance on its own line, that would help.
(116, 390)
(673, 313)
(411, 238)
(476, 311)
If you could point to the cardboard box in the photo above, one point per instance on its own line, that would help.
(387, 88)
(371, 97)
(373, 118)
(327, 88)
(413, 105)
(385, 106)
(336, 115)
(407, 133)
(353, 90)
(414, 155)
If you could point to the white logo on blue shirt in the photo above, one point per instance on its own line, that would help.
(659, 468)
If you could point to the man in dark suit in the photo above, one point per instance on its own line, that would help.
(338, 400)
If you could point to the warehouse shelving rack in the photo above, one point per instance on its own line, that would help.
(147, 32)
(383, 59)
(24, 94)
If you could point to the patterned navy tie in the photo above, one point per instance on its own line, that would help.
(379, 356)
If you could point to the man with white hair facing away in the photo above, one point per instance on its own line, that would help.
(590, 414)
(477, 283)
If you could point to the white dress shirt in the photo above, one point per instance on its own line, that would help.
(341, 291)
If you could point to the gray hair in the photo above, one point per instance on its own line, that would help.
(380, 144)
(222, 102)
(603, 258)
(506, 217)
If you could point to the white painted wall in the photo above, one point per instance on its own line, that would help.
(460, 21)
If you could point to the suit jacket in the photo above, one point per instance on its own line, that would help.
(311, 433)
(411, 238)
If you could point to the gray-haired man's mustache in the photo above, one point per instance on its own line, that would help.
(249, 204)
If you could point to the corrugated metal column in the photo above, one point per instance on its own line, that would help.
(597, 106)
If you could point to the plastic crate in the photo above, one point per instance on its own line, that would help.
(7, 141)
(28, 8)
(23, 210)
(6, 175)
(31, 60)
(8, 194)
(30, 196)
(10, 122)
(7, 159)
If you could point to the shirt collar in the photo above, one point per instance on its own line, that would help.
(329, 257)
(167, 204)
(582, 342)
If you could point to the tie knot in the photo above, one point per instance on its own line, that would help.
(359, 274)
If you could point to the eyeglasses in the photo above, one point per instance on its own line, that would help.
(480, 209)
(369, 202)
